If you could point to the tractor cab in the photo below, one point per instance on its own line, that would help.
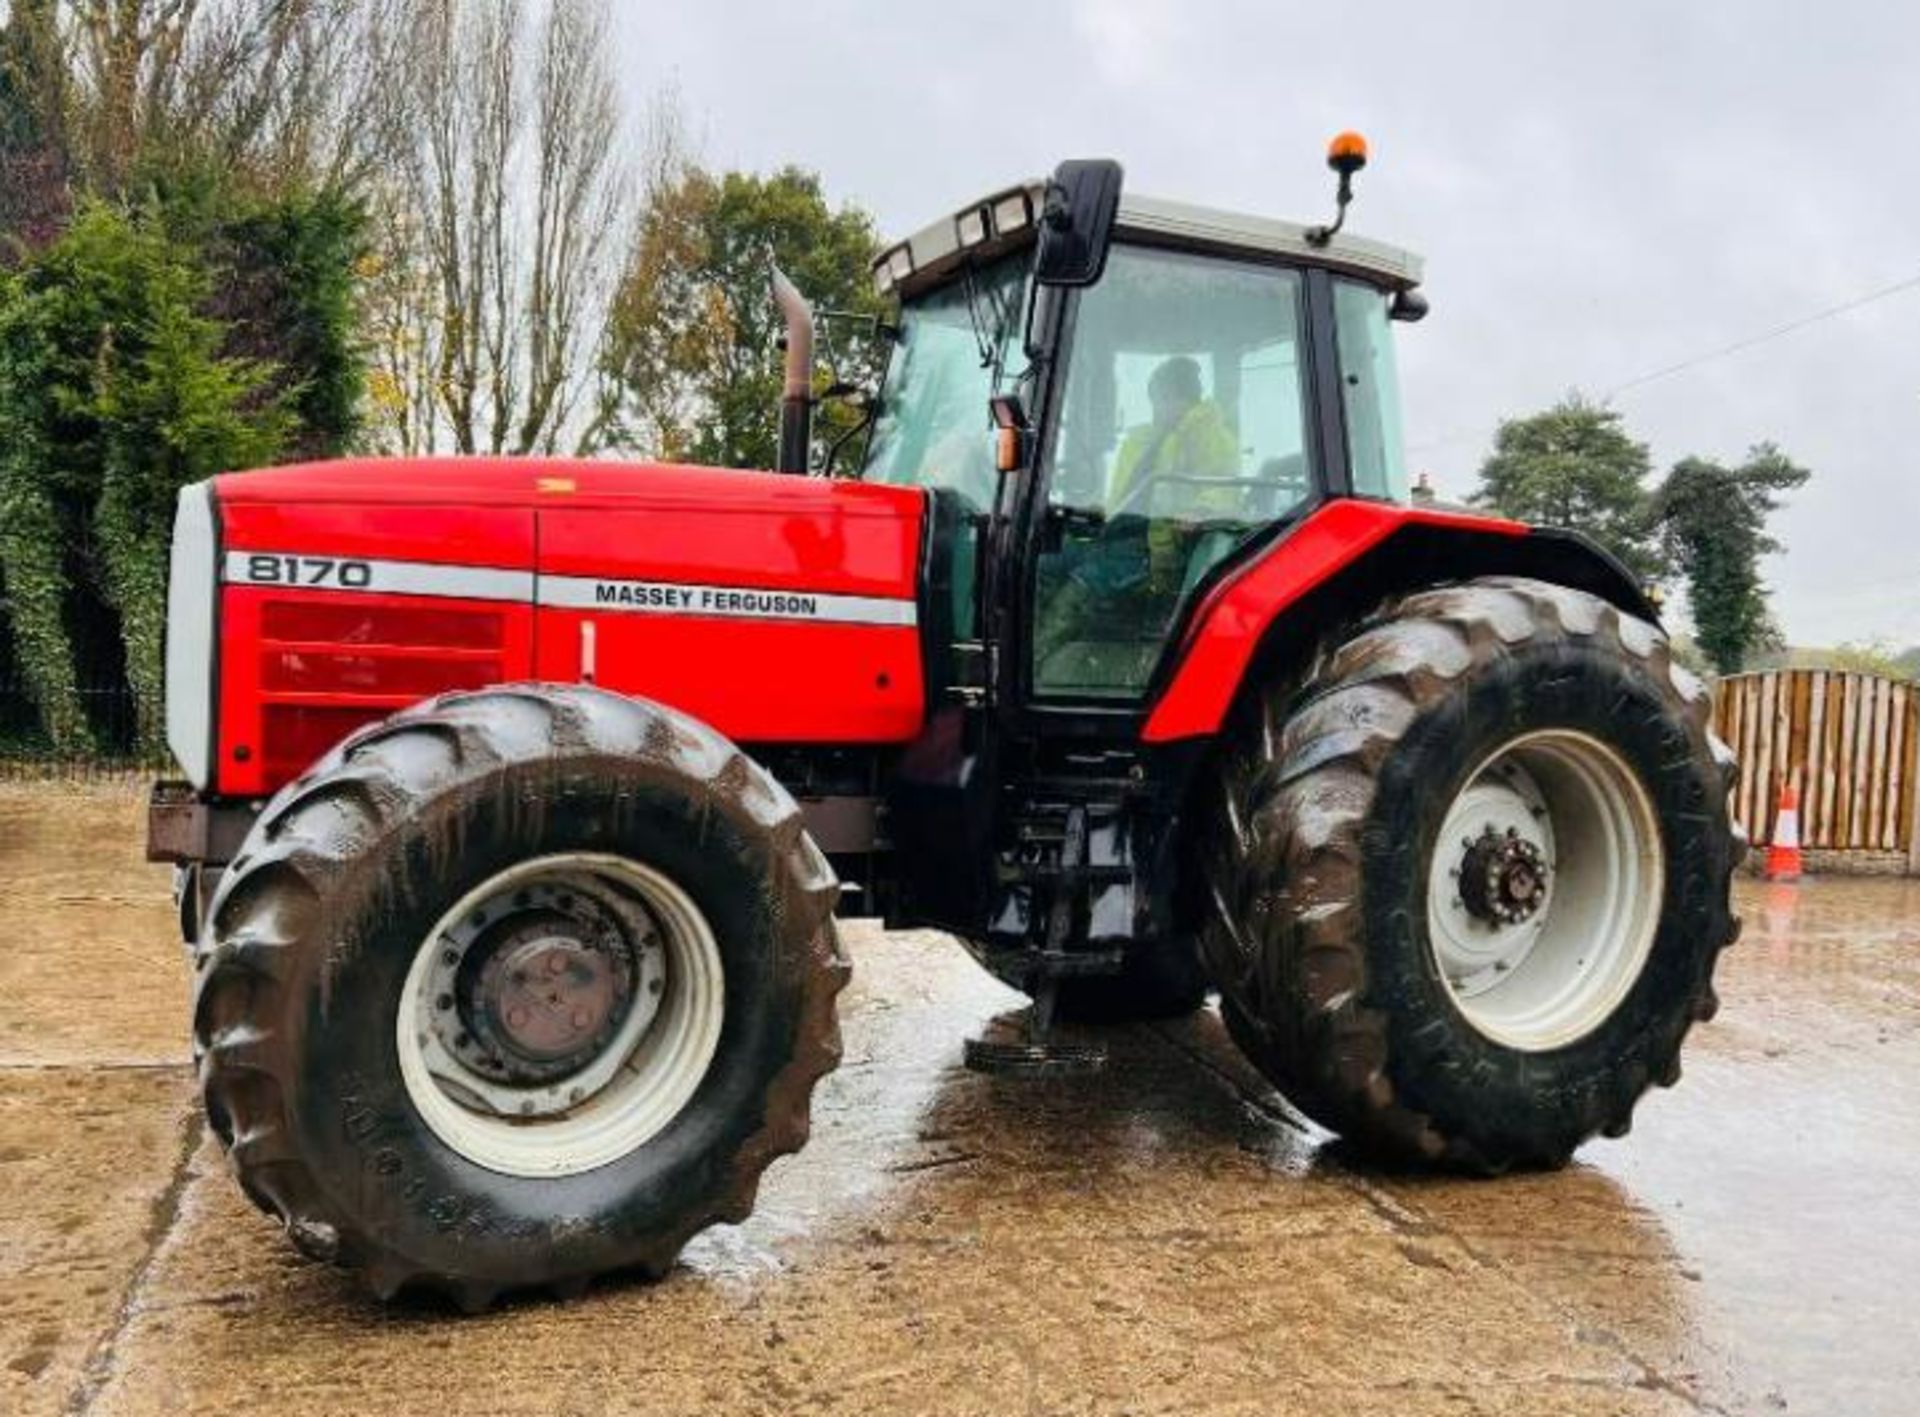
(1116, 400)
(1118, 406)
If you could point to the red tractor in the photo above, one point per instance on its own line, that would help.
(521, 795)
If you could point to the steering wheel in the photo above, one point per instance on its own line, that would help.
(1147, 484)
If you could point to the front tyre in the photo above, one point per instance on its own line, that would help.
(517, 988)
(1469, 882)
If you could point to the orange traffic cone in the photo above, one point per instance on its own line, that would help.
(1783, 851)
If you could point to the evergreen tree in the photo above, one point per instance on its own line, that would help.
(1713, 524)
(1574, 466)
(34, 198)
(114, 393)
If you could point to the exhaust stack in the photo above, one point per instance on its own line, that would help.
(796, 400)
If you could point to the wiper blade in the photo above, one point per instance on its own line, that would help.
(983, 344)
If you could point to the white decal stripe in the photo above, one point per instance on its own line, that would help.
(294, 570)
(290, 570)
(729, 602)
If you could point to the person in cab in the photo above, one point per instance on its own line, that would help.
(1188, 437)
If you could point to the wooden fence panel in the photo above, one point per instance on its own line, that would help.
(1848, 742)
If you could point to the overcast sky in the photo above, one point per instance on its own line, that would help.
(1600, 191)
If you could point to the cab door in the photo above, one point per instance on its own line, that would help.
(1181, 432)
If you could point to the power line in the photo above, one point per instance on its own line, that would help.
(1694, 361)
(1762, 338)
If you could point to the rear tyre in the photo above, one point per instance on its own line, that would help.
(1469, 882)
(517, 988)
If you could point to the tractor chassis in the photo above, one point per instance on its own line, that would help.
(1069, 869)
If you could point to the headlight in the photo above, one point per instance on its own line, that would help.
(192, 597)
(1012, 212)
(893, 267)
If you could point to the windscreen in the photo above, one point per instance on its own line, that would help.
(933, 428)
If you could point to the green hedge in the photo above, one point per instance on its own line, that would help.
(144, 349)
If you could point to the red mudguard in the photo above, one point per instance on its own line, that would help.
(1230, 624)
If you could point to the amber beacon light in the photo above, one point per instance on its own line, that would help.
(1346, 155)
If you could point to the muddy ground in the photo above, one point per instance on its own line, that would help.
(1167, 1238)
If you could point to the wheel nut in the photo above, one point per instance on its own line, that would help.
(555, 963)
(581, 1018)
(516, 1017)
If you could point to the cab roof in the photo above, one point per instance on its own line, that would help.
(1004, 220)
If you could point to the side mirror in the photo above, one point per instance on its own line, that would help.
(1010, 432)
(1076, 224)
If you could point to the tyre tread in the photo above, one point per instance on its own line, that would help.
(1295, 793)
(297, 846)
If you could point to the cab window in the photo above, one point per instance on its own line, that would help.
(1182, 431)
(1370, 391)
(932, 429)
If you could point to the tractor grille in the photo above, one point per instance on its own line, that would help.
(297, 735)
(326, 668)
(343, 624)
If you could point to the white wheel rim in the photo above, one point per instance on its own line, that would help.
(631, 1089)
(1542, 969)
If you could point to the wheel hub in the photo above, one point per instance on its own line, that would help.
(1544, 889)
(545, 978)
(1491, 892)
(537, 992)
(1503, 877)
(550, 997)
(561, 1014)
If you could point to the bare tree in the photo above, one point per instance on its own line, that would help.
(402, 334)
(660, 242)
(504, 209)
(276, 88)
(126, 65)
(579, 198)
(296, 87)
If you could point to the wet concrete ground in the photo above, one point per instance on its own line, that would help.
(1166, 1238)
